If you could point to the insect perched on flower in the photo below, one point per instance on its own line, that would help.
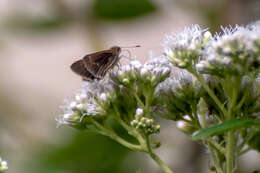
(95, 65)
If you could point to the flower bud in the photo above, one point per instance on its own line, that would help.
(103, 96)
(3, 165)
(184, 127)
(139, 111)
(134, 123)
(144, 71)
(80, 106)
(125, 81)
(207, 35)
(73, 105)
(77, 98)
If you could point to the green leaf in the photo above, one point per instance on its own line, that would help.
(39, 24)
(257, 171)
(122, 9)
(138, 171)
(226, 126)
(254, 141)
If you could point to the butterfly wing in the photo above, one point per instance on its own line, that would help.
(79, 68)
(100, 62)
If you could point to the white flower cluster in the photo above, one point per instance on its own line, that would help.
(3, 165)
(178, 93)
(186, 47)
(235, 51)
(154, 70)
(179, 80)
(85, 102)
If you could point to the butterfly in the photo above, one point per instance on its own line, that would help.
(95, 65)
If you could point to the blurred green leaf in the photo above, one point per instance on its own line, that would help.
(257, 171)
(254, 141)
(85, 152)
(226, 126)
(27, 23)
(122, 9)
(138, 171)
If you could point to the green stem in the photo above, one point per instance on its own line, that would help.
(230, 135)
(139, 100)
(129, 129)
(210, 92)
(244, 143)
(125, 143)
(215, 161)
(229, 152)
(165, 168)
(244, 151)
(108, 132)
(216, 145)
(212, 143)
(240, 104)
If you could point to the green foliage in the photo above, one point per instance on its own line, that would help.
(226, 126)
(27, 23)
(254, 142)
(122, 9)
(85, 152)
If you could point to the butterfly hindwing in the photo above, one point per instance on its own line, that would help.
(79, 68)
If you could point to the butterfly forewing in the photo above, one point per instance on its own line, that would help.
(94, 63)
(112, 61)
(100, 62)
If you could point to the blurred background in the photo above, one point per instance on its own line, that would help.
(39, 39)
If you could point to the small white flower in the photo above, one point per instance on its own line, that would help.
(103, 96)
(192, 46)
(139, 111)
(120, 72)
(144, 71)
(213, 59)
(4, 164)
(226, 49)
(127, 68)
(80, 106)
(207, 35)
(182, 125)
(83, 96)
(169, 52)
(136, 64)
(186, 117)
(73, 105)
(226, 61)
(78, 98)
(125, 81)
(166, 70)
(67, 116)
(201, 66)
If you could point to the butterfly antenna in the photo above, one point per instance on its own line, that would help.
(129, 53)
(132, 46)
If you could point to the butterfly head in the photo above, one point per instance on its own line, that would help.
(116, 49)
